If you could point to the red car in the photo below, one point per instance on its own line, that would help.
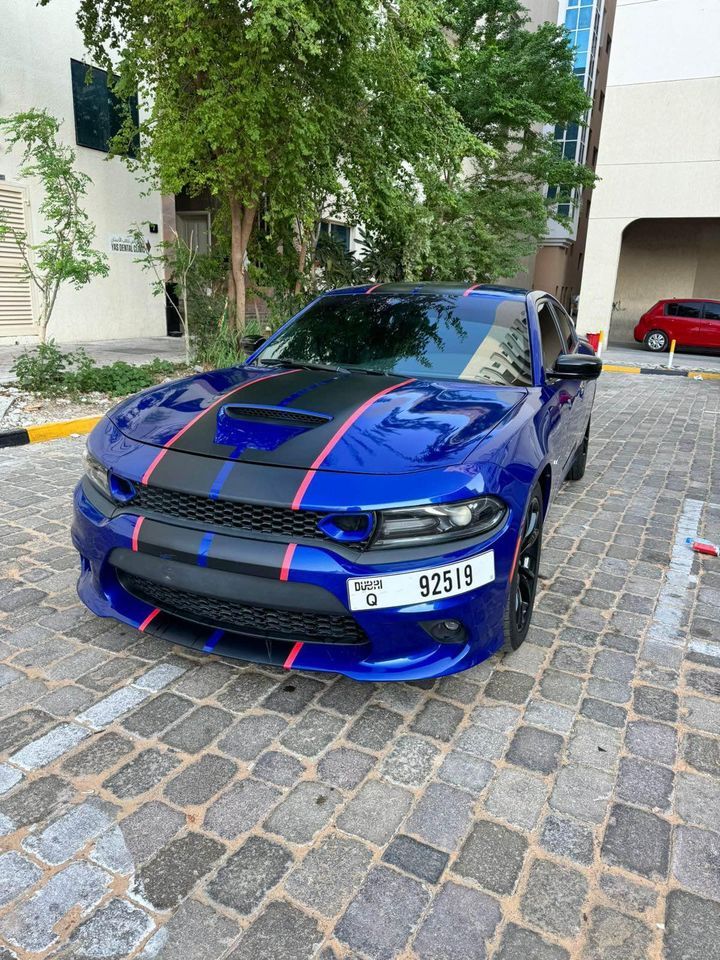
(692, 323)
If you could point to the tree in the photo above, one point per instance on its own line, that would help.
(66, 255)
(508, 83)
(274, 106)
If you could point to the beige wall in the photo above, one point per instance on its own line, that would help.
(36, 44)
(660, 259)
(542, 11)
(659, 150)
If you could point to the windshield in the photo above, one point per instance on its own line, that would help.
(483, 339)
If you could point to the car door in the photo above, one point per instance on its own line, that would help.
(584, 390)
(711, 324)
(685, 327)
(559, 426)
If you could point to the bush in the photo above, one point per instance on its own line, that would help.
(42, 370)
(50, 372)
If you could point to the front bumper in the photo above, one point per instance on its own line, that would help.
(236, 601)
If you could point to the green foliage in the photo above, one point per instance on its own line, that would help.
(484, 209)
(43, 369)
(293, 102)
(49, 371)
(66, 255)
(422, 120)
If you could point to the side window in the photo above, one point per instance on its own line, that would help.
(566, 328)
(687, 308)
(712, 311)
(552, 346)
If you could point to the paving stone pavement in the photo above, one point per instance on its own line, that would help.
(563, 802)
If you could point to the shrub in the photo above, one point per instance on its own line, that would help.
(50, 372)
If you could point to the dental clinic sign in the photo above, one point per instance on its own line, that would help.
(126, 243)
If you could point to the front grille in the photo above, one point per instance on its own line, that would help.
(277, 415)
(282, 521)
(229, 615)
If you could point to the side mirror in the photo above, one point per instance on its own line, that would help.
(251, 344)
(576, 366)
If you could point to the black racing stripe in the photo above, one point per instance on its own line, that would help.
(246, 482)
(251, 483)
(340, 399)
(169, 541)
(177, 472)
(172, 629)
(272, 390)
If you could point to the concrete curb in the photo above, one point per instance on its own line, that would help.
(661, 371)
(47, 431)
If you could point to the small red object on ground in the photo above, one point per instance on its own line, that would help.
(703, 546)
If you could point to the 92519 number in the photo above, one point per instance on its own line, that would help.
(438, 584)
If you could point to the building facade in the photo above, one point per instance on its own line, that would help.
(559, 262)
(654, 228)
(44, 66)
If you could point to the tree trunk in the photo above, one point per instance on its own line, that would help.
(242, 218)
(302, 255)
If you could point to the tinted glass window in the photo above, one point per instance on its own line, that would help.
(99, 114)
(552, 346)
(712, 311)
(434, 336)
(687, 308)
(566, 327)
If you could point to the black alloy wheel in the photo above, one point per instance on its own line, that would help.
(521, 595)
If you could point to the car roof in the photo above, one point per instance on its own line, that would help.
(688, 300)
(446, 289)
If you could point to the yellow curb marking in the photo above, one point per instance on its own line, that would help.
(618, 369)
(65, 428)
(700, 375)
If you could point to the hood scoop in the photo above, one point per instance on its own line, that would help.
(260, 427)
(297, 418)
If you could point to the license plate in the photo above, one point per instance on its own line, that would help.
(421, 586)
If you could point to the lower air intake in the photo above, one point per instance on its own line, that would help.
(242, 618)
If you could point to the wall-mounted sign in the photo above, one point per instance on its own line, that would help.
(126, 243)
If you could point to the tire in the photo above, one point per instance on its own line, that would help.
(657, 341)
(523, 586)
(577, 468)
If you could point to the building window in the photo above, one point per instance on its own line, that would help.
(99, 113)
(583, 20)
(338, 231)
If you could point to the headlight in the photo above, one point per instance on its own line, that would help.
(433, 524)
(97, 474)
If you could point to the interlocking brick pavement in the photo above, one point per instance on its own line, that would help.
(561, 803)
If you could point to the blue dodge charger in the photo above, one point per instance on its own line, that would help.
(365, 495)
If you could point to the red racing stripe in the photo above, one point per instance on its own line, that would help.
(224, 396)
(287, 560)
(342, 430)
(370, 289)
(470, 289)
(291, 656)
(136, 533)
(148, 620)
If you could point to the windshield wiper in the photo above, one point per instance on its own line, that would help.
(374, 373)
(301, 365)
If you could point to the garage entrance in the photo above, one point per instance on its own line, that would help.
(661, 258)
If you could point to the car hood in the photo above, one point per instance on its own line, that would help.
(317, 419)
